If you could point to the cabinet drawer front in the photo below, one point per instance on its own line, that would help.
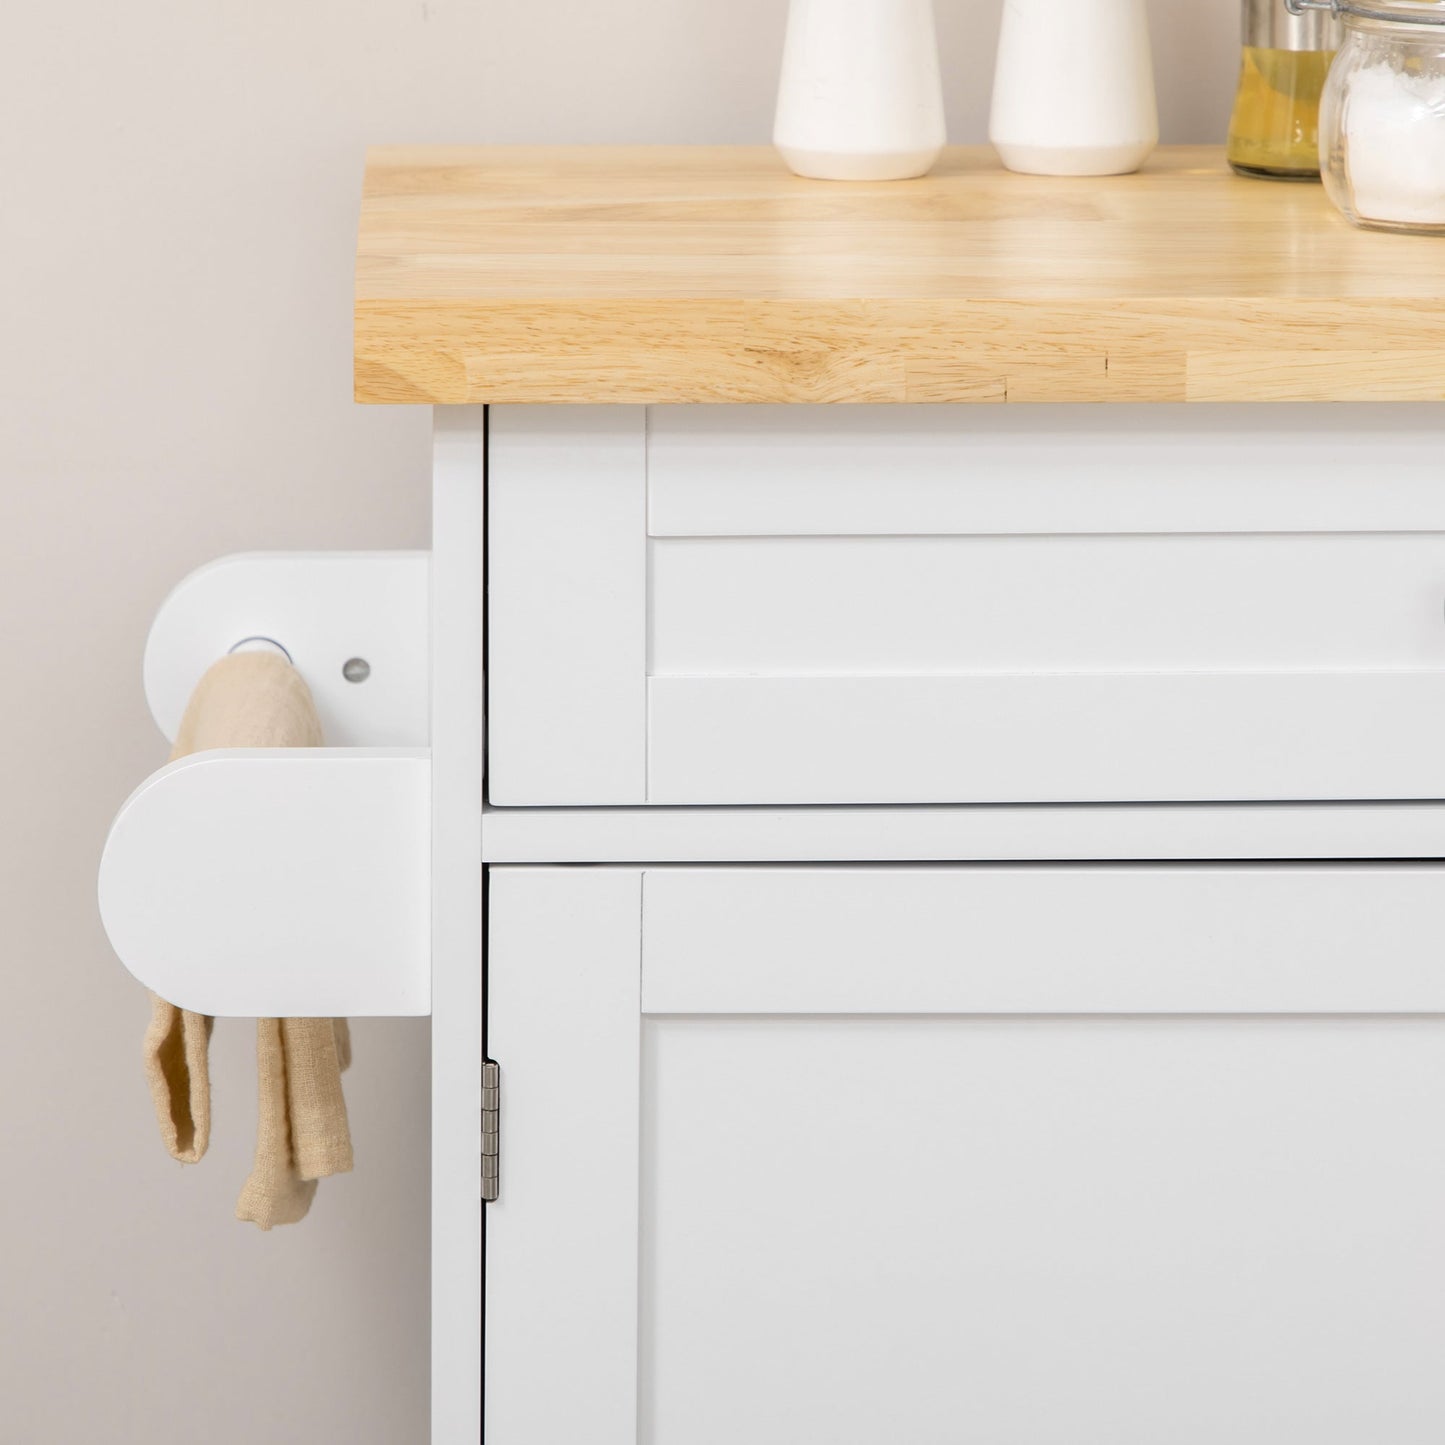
(798, 605)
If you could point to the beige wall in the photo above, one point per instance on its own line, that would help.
(179, 182)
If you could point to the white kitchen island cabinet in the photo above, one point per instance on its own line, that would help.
(954, 893)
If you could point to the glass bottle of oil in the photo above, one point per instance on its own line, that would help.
(1274, 131)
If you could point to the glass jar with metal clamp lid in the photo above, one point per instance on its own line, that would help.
(1274, 130)
(1382, 113)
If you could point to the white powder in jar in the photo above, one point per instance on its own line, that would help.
(1395, 145)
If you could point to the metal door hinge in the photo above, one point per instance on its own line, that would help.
(491, 1118)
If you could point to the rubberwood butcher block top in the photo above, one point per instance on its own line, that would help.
(690, 274)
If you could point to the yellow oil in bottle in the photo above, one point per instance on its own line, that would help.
(1275, 128)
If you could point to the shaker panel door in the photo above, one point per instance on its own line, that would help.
(786, 1155)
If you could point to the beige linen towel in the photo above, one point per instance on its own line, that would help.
(255, 700)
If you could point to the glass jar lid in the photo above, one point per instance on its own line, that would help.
(1398, 12)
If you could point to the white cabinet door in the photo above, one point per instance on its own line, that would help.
(1014, 1155)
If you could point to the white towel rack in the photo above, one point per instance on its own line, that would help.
(287, 881)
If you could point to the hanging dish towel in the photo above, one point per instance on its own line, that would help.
(255, 700)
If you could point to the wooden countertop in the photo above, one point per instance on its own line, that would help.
(690, 274)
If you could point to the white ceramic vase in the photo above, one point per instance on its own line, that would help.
(1073, 90)
(860, 98)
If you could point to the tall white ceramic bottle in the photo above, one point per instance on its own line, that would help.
(1073, 90)
(860, 98)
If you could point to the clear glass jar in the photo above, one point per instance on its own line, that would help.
(1382, 116)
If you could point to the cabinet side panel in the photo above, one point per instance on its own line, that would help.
(459, 457)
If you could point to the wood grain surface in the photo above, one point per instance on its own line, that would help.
(711, 274)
